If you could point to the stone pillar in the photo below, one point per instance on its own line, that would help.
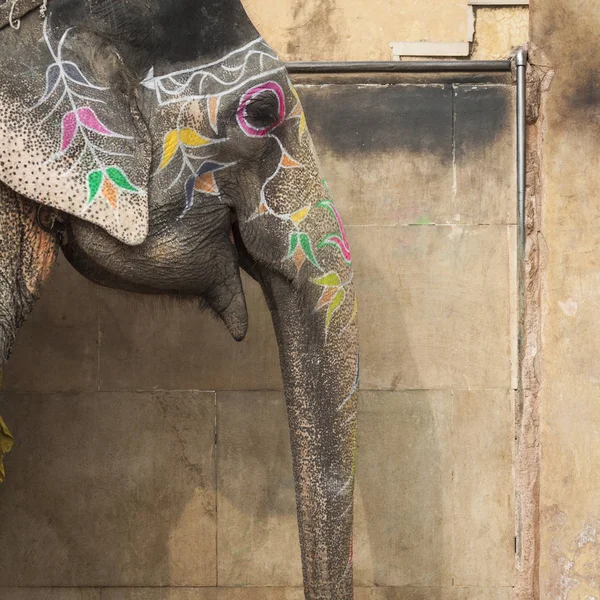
(568, 150)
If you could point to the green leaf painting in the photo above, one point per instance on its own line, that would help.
(120, 179)
(293, 244)
(94, 182)
(307, 247)
(303, 241)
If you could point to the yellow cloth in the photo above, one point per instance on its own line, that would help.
(6, 440)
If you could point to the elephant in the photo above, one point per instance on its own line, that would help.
(162, 147)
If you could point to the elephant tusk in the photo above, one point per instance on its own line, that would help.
(11, 17)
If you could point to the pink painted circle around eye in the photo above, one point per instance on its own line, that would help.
(242, 115)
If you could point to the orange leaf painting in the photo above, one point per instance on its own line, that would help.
(289, 163)
(299, 257)
(207, 184)
(110, 192)
(213, 112)
(327, 297)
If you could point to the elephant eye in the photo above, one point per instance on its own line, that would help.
(261, 109)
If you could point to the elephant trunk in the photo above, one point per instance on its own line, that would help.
(321, 380)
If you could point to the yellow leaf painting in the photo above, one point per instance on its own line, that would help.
(192, 139)
(300, 215)
(170, 146)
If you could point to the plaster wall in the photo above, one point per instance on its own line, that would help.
(568, 365)
(152, 459)
(361, 30)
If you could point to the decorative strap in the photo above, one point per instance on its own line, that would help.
(11, 11)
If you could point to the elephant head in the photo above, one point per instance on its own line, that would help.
(172, 141)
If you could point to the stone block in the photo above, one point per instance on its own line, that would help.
(441, 593)
(265, 593)
(403, 528)
(49, 594)
(257, 529)
(403, 500)
(109, 489)
(481, 593)
(432, 49)
(152, 343)
(56, 349)
(170, 593)
(386, 151)
(485, 132)
(484, 506)
(436, 301)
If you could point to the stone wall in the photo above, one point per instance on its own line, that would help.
(152, 459)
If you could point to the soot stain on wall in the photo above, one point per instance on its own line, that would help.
(354, 119)
(577, 42)
(481, 113)
(351, 119)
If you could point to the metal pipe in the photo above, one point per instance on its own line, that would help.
(412, 66)
(521, 64)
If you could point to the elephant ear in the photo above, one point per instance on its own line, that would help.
(70, 134)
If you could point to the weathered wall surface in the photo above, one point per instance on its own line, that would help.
(152, 451)
(356, 30)
(569, 566)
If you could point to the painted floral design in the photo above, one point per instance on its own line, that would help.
(204, 88)
(340, 240)
(70, 90)
(197, 172)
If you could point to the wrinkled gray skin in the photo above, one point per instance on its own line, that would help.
(195, 249)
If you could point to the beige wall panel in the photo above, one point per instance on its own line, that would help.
(352, 30)
(109, 490)
(437, 303)
(404, 489)
(258, 536)
(483, 497)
